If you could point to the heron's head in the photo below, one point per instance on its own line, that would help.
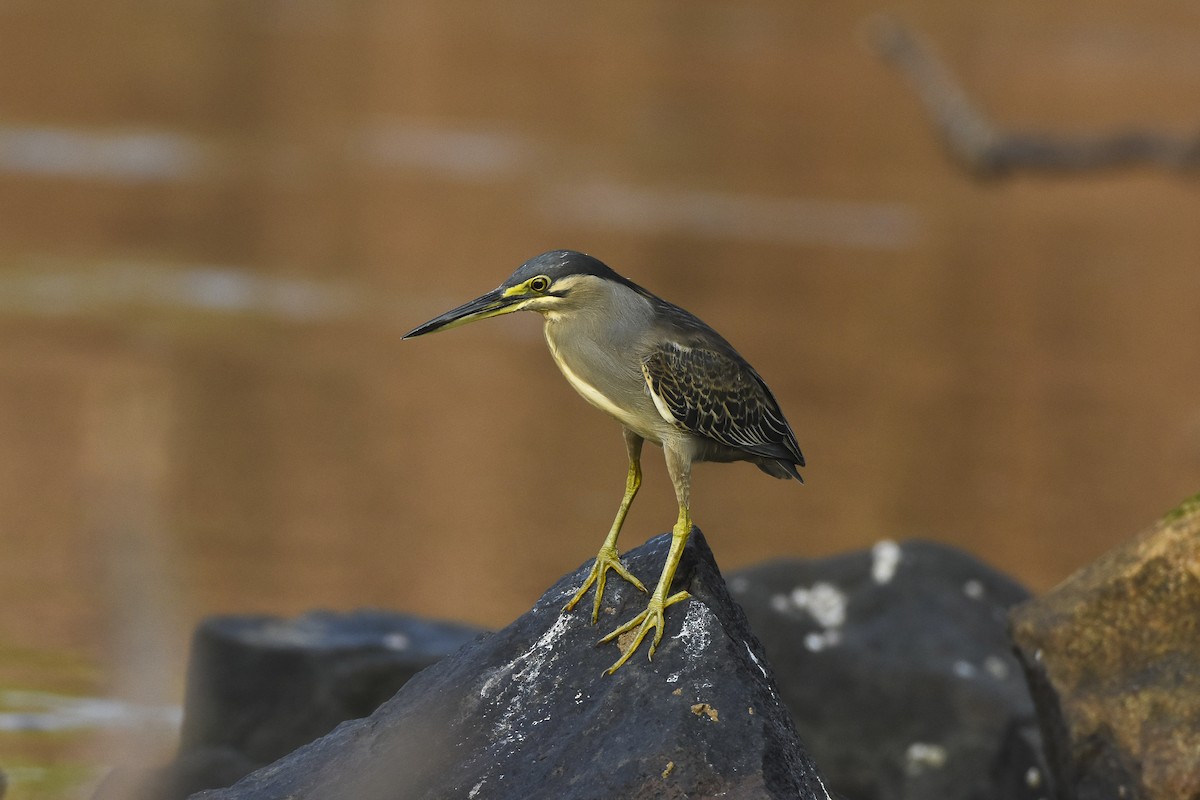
(556, 282)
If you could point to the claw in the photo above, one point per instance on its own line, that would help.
(606, 559)
(650, 619)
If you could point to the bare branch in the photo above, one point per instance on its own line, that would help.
(990, 152)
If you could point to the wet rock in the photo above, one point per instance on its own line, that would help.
(529, 712)
(260, 686)
(896, 666)
(1113, 656)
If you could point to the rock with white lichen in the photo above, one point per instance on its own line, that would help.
(896, 665)
(261, 686)
(528, 712)
(1113, 656)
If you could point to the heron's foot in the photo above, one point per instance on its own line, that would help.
(649, 620)
(606, 559)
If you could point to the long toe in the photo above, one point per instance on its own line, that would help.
(651, 619)
(607, 559)
(587, 584)
(628, 626)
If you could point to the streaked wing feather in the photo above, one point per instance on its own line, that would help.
(720, 396)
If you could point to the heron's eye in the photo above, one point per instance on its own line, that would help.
(540, 284)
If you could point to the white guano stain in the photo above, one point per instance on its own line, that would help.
(514, 686)
(757, 663)
(695, 632)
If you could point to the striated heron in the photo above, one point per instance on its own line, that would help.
(664, 375)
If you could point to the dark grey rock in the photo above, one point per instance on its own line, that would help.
(896, 666)
(263, 686)
(529, 713)
(258, 687)
(1113, 656)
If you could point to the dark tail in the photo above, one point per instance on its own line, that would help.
(779, 468)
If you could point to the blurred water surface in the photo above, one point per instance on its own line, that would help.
(217, 219)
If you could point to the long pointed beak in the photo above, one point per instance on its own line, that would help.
(492, 304)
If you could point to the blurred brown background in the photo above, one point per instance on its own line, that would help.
(218, 218)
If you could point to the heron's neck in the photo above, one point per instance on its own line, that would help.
(614, 318)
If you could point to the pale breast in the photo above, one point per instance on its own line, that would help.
(624, 395)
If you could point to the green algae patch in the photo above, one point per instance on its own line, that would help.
(1185, 509)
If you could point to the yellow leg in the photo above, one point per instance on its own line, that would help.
(652, 617)
(607, 558)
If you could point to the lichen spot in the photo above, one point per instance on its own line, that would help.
(816, 642)
(396, 641)
(704, 709)
(973, 589)
(824, 601)
(922, 756)
(625, 640)
(885, 557)
(997, 667)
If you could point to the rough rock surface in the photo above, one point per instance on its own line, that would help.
(260, 686)
(897, 668)
(528, 713)
(1113, 656)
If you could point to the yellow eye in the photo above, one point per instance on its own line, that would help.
(540, 284)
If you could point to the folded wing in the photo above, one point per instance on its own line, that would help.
(718, 395)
